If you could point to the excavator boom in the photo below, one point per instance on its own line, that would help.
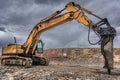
(73, 13)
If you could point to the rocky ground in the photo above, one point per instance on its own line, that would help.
(61, 70)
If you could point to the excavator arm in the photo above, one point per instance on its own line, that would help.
(73, 13)
(76, 12)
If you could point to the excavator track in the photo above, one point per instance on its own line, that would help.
(40, 61)
(23, 61)
(16, 60)
(44, 61)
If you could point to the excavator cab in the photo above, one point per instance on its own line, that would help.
(40, 46)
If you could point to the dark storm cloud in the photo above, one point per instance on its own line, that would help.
(6, 38)
(22, 11)
(20, 16)
(3, 3)
(54, 2)
(48, 1)
(13, 12)
(2, 29)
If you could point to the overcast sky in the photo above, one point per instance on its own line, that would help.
(18, 17)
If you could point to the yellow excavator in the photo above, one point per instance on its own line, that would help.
(26, 54)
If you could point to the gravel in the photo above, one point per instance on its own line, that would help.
(60, 70)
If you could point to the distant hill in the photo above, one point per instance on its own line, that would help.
(83, 53)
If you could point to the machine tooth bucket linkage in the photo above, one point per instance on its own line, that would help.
(107, 35)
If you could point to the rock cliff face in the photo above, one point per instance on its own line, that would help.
(83, 53)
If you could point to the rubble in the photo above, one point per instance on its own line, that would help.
(62, 71)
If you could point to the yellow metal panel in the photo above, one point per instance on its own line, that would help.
(13, 49)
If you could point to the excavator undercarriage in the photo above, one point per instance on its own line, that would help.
(16, 60)
(23, 61)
